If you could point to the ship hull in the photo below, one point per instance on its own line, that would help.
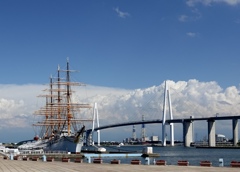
(64, 143)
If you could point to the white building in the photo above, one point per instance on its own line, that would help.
(154, 138)
(221, 138)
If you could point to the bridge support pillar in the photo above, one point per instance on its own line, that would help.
(211, 133)
(187, 133)
(235, 131)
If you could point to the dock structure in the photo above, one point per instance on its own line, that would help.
(29, 166)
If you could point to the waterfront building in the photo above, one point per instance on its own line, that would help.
(154, 138)
(221, 138)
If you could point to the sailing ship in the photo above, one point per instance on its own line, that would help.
(61, 127)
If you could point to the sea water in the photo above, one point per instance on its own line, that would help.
(173, 154)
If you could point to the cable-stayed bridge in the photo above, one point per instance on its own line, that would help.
(187, 126)
(186, 122)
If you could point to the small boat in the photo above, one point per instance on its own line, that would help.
(120, 144)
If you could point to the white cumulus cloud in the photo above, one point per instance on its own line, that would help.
(196, 98)
(189, 98)
(17, 103)
(192, 3)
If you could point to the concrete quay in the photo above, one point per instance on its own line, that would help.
(40, 166)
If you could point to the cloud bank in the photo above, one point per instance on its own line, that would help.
(192, 3)
(115, 105)
(200, 99)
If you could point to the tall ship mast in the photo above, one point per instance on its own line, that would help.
(61, 126)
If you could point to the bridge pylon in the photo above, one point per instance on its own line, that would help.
(167, 96)
(95, 118)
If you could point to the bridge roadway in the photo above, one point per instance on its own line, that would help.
(167, 121)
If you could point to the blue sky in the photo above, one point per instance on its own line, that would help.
(125, 44)
(119, 46)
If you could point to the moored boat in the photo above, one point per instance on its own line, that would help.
(61, 127)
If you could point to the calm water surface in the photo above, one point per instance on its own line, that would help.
(173, 154)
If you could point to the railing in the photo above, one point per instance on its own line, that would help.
(41, 152)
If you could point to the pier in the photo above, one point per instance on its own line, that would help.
(29, 166)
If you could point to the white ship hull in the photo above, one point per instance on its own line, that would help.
(64, 143)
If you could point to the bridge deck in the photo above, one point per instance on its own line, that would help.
(167, 121)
